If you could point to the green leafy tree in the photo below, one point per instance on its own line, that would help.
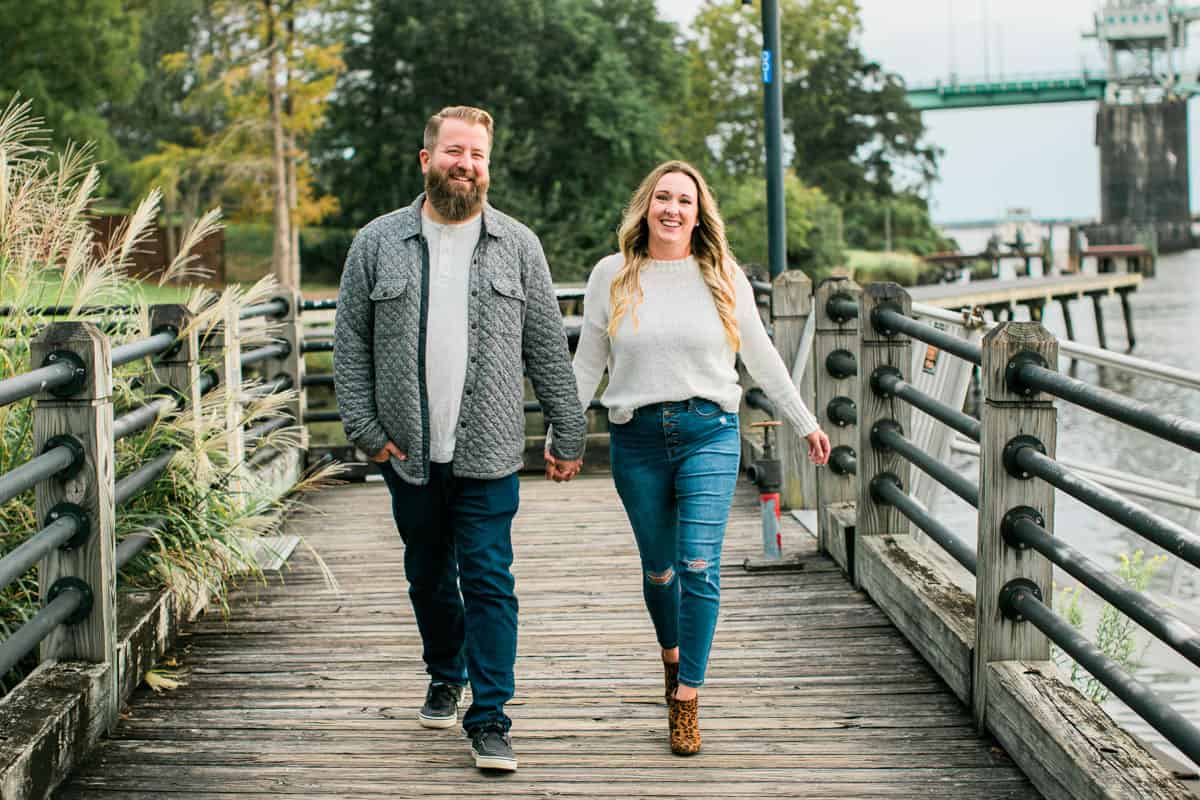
(581, 91)
(906, 215)
(71, 62)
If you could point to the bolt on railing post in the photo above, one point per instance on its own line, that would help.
(1008, 414)
(791, 306)
(880, 352)
(292, 365)
(834, 354)
(87, 417)
(221, 346)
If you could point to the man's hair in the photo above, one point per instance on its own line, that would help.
(475, 116)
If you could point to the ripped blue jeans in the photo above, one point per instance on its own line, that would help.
(675, 466)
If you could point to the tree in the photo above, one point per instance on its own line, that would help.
(580, 90)
(72, 62)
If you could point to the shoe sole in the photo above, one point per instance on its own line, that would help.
(495, 762)
(436, 722)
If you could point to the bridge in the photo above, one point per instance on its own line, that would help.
(884, 655)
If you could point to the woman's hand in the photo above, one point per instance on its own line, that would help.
(818, 447)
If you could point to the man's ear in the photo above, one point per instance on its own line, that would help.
(424, 157)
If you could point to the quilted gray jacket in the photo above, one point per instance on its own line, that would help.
(515, 329)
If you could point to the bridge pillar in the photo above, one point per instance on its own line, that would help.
(221, 348)
(1008, 414)
(881, 351)
(835, 370)
(791, 307)
(1143, 173)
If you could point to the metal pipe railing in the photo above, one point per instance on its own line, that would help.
(891, 383)
(277, 350)
(841, 307)
(889, 437)
(317, 380)
(757, 398)
(152, 345)
(1172, 631)
(1171, 427)
(136, 481)
(36, 469)
(1020, 602)
(322, 416)
(318, 305)
(27, 554)
(323, 346)
(890, 320)
(256, 433)
(534, 407)
(1163, 532)
(271, 308)
(142, 417)
(136, 542)
(27, 384)
(26, 638)
(886, 489)
(280, 384)
(843, 461)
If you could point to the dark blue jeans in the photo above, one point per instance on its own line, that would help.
(457, 532)
(675, 466)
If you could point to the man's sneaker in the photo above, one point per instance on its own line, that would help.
(441, 705)
(493, 749)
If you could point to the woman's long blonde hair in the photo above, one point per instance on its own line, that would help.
(709, 246)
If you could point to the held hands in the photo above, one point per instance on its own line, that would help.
(560, 470)
(818, 447)
(387, 452)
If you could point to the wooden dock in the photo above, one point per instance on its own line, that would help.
(304, 691)
(1024, 290)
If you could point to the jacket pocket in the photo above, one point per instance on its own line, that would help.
(388, 290)
(508, 288)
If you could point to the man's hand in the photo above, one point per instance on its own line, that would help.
(387, 452)
(818, 447)
(560, 470)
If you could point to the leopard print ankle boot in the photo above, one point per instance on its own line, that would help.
(671, 678)
(683, 717)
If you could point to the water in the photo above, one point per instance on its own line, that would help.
(1166, 328)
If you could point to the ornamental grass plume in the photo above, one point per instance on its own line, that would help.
(203, 524)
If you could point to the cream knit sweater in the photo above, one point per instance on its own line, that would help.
(678, 347)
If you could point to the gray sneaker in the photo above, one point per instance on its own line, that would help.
(441, 705)
(492, 748)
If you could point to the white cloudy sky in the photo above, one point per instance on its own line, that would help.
(1042, 157)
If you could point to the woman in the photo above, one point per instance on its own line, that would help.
(665, 316)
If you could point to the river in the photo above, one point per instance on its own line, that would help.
(1166, 311)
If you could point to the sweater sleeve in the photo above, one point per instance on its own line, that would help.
(764, 364)
(591, 354)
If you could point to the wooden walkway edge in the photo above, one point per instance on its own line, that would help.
(304, 691)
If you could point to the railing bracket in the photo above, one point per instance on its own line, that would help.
(1008, 597)
(1009, 522)
(69, 584)
(1011, 450)
(83, 527)
(77, 382)
(78, 457)
(1012, 372)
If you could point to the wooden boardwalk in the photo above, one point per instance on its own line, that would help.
(308, 692)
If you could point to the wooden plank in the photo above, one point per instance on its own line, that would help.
(791, 306)
(1066, 744)
(924, 603)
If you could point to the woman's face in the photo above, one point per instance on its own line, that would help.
(674, 207)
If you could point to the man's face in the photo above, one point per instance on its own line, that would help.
(456, 170)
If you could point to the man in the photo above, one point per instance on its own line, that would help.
(443, 307)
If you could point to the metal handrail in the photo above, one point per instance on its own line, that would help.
(757, 398)
(39, 468)
(272, 308)
(1163, 532)
(151, 345)
(43, 379)
(277, 350)
(135, 482)
(1172, 631)
(136, 542)
(30, 552)
(888, 320)
(887, 490)
(256, 433)
(316, 347)
(318, 380)
(889, 437)
(891, 383)
(843, 461)
(318, 305)
(322, 416)
(142, 417)
(1169, 427)
(27, 637)
(281, 384)
(1020, 602)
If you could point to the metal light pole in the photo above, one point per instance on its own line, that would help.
(773, 109)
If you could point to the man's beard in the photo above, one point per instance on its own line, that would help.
(452, 200)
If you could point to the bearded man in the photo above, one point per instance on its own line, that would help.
(444, 307)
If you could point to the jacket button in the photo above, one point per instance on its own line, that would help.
(468, 392)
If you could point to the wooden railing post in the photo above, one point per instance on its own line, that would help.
(1009, 414)
(835, 373)
(791, 307)
(178, 369)
(221, 348)
(81, 416)
(292, 332)
(881, 351)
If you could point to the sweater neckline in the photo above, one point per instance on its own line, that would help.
(674, 265)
